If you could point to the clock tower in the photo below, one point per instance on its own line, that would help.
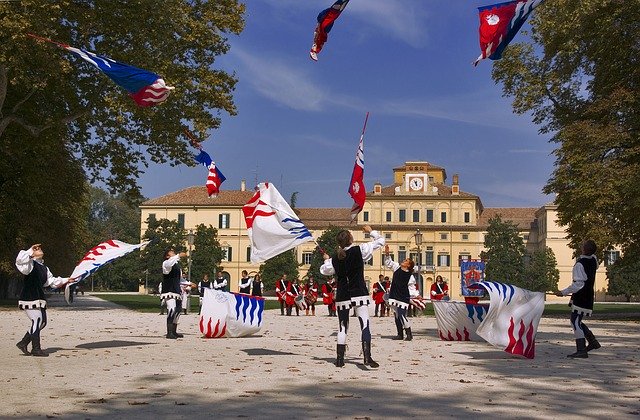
(416, 183)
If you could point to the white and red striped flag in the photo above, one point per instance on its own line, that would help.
(272, 226)
(357, 190)
(513, 318)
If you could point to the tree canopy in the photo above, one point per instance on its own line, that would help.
(43, 86)
(275, 267)
(505, 252)
(580, 79)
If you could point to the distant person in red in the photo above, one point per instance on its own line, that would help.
(328, 296)
(281, 290)
(439, 290)
(378, 294)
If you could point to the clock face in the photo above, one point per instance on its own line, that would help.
(415, 184)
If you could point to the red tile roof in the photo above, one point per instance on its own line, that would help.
(197, 196)
(523, 217)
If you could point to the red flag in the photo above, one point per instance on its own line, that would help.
(214, 180)
(357, 190)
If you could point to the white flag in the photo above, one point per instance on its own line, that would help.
(100, 255)
(458, 321)
(513, 318)
(272, 225)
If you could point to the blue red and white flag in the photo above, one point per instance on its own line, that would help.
(513, 318)
(226, 314)
(102, 254)
(215, 178)
(272, 225)
(459, 321)
(145, 87)
(499, 24)
(357, 190)
(326, 18)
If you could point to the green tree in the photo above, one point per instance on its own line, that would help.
(275, 267)
(542, 273)
(327, 242)
(624, 276)
(505, 252)
(48, 207)
(43, 86)
(163, 234)
(579, 79)
(114, 217)
(207, 253)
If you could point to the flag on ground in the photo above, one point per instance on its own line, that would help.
(272, 225)
(459, 321)
(513, 318)
(499, 24)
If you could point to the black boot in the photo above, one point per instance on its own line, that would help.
(366, 351)
(409, 335)
(170, 331)
(22, 344)
(36, 350)
(592, 341)
(175, 332)
(581, 352)
(340, 357)
(400, 335)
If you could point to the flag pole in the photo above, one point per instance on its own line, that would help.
(366, 118)
(192, 139)
(41, 38)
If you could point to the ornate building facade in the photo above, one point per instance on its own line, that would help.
(421, 216)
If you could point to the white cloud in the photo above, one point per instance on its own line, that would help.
(280, 82)
(399, 18)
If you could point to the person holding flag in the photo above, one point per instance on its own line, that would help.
(582, 291)
(348, 266)
(32, 299)
(171, 292)
(399, 296)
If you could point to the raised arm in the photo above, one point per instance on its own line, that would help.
(377, 241)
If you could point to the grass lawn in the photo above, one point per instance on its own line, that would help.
(146, 303)
(149, 303)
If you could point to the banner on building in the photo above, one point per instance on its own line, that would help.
(471, 272)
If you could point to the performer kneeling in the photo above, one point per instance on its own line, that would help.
(348, 266)
(399, 293)
(32, 298)
(171, 293)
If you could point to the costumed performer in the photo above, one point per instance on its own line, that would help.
(348, 266)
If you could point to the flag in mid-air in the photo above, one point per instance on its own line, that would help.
(102, 254)
(499, 23)
(513, 318)
(145, 87)
(356, 187)
(326, 18)
(272, 225)
(214, 177)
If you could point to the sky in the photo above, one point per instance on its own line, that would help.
(406, 62)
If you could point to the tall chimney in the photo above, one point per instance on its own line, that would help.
(243, 185)
(455, 188)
